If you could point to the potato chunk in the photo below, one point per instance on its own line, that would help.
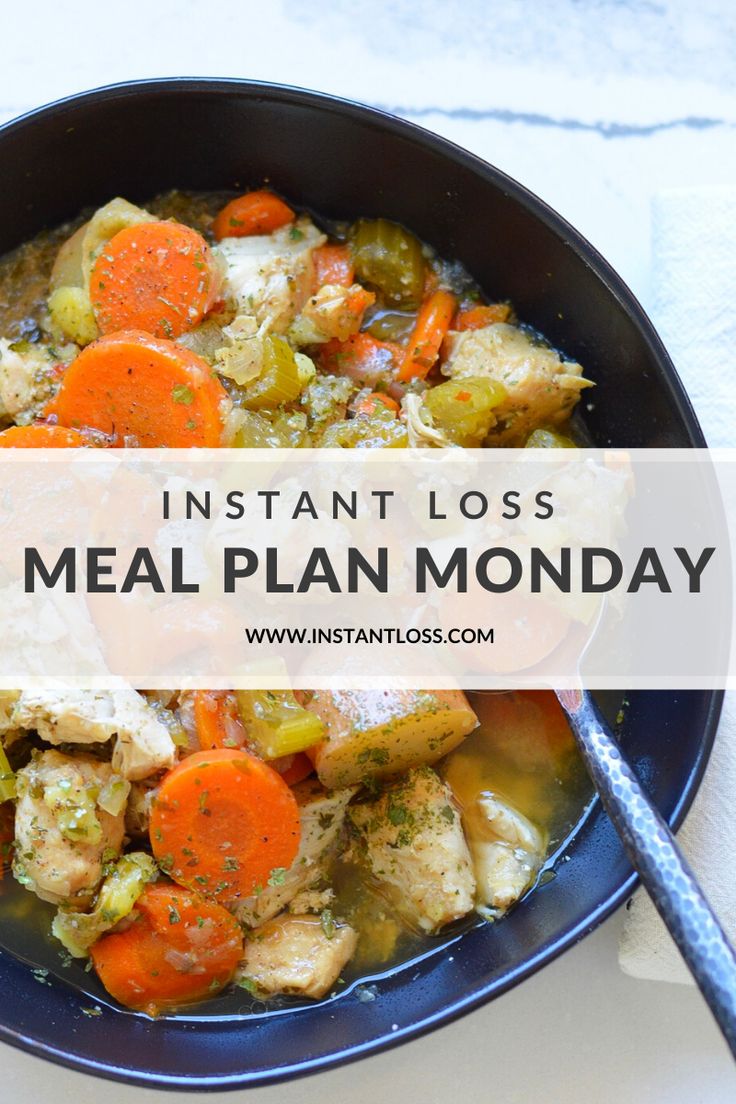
(412, 842)
(321, 816)
(297, 955)
(370, 733)
(542, 387)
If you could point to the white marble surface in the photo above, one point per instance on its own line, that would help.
(594, 104)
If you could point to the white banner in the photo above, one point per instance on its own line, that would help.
(417, 569)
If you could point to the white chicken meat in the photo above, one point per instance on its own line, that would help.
(62, 837)
(542, 388)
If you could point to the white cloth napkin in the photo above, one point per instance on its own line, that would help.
(694, 309)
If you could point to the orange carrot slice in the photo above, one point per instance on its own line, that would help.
(259, 212)
(432, 324)
(154, 276)
(131, 384)
(218, 720)
(361, 357)
(178, 949)
(223, 822)
(293, 768)
(333, 264)
(376, 401)
(42, 435)
(476, 318)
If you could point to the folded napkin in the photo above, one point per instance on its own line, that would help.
(694, 309)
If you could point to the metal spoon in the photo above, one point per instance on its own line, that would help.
(658, 861)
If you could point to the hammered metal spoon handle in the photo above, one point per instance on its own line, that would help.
(660, 864)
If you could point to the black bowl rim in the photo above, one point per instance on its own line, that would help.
(288, 94)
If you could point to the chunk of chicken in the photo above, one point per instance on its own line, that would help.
(8, 700)
(270, 276)
(62, 837)
(411, 839)
(321, 816)
(298, 955)
(507, 850)
(421, 433)
(143, 744)
(333, 311)
(542, 387)
(24, 377)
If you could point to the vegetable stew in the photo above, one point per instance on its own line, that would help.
(183, 847)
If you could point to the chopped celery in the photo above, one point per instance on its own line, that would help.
(305, 367)
(463, 408)
(389, 258)
(7, 778)
(79, 824)
(71, 312)
(115, 900)
(280, 380)
(255, 431)
(114, 795)
(548, 438)
(377, 430)
(74, 810)
(326, 398)
(276, 724)
(259, 429)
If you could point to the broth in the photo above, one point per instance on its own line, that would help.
(523, 751)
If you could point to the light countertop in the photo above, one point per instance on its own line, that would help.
(593, 105)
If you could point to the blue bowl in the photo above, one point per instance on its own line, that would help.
(344, 160)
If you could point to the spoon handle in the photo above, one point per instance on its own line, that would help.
(663, 869)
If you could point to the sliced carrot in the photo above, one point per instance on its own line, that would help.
(376, 401)
(333, 264)
(259, 212)
(432, 324)
(131, 384)
(359, 300)
(361, 357)
(222, 822)
(42, 435)
(179, 948)
(293, 768)
(475, 318)
(154, 276)
(218, 720)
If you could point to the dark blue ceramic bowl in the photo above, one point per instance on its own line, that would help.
(344, 160)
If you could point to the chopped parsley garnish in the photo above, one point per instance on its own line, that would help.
(180, 393)
(327, 920)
